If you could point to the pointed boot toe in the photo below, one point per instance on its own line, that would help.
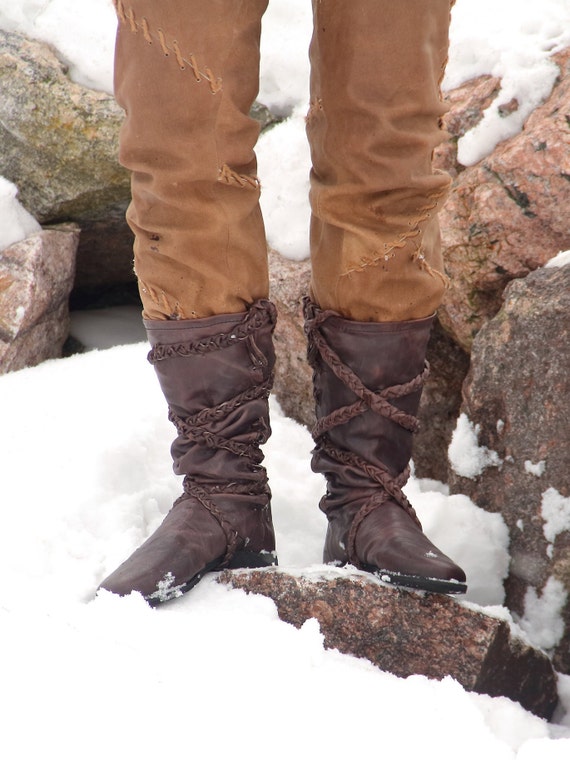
(392, 546)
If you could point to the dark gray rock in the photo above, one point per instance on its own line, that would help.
(518, 394)
(440, 404)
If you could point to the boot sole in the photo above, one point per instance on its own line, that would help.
(241, 559)
(417, 582)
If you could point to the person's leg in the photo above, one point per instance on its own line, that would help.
(186, 74)
(377, 273)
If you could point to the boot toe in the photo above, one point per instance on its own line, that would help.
(392, 546)
(188, 544)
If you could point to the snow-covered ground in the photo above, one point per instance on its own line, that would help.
(86, 476)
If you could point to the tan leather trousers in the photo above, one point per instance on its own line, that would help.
(186, 74)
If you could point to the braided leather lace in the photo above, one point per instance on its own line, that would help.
(389, 487)
(195, 428)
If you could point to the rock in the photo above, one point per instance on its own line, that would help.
(507, 215)
(36, 277)
(517, 394)
(263, 115)
(466, 106)
(75, 176)
(76, 170)
(289, 282)
(409, 633)
(104, 256)
(440, 404)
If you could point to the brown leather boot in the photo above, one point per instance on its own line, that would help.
(367, 379)
(216, 374)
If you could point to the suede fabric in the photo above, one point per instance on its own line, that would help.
(187, 73)
(374, 121)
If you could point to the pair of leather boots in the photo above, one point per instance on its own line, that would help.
(216, 374)
(186, 75)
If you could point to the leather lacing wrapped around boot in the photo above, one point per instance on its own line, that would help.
(216, 375)
(203, 427)
(368, 379)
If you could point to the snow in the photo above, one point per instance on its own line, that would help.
(560, 260)
(283, 163)
(91, 672)
(85, 40)
(513, 40)
(86, 477)
(555, 510)
(542, 618)
(535, 468)
(466, 457)
(17, 224)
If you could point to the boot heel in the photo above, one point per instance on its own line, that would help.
(252, 559)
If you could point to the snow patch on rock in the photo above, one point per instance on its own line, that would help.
(17, 223)
(542, 619)
(466, 457)
(555, 510)
(561, 259)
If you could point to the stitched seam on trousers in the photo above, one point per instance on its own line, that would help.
(390, 249)
(162, 301)
(168, 45)
(230, 177)
(418, 256)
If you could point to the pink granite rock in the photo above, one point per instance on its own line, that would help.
(36, 277)
(408, 633)
(507, 215)
(289, 282)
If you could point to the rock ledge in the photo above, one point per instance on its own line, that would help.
(408, 633)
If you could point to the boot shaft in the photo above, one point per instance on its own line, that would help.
(368, 380)
(216, 374)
